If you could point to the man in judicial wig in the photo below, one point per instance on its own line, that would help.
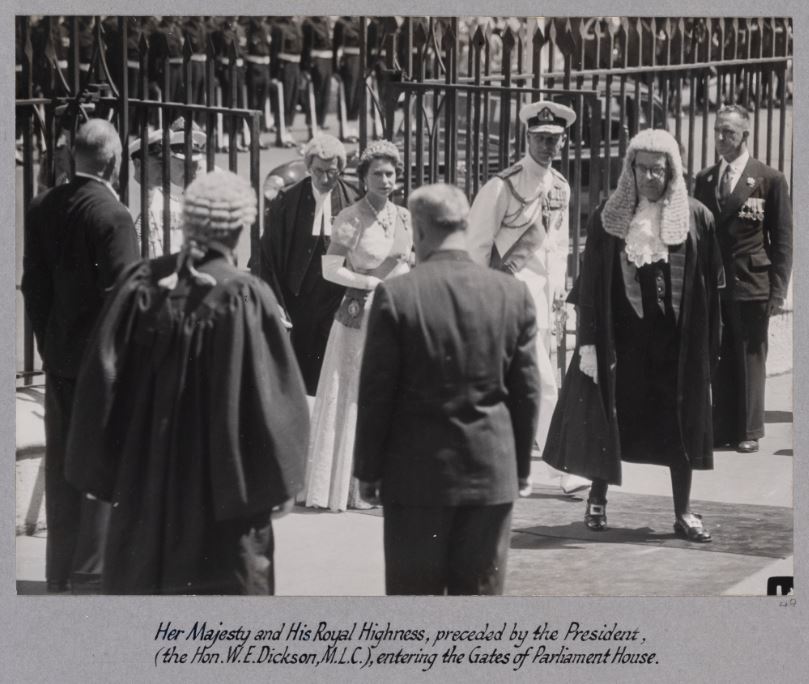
(448, 401)
(297, 233)
(189, 411)
(638, 387)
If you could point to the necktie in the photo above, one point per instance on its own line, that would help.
(724, 187)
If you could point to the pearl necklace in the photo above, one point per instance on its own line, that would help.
(386, 217)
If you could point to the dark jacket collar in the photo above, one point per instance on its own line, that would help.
(449, 255)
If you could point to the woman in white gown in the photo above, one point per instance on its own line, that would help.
(371, 240)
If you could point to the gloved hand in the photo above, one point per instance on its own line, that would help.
(589, 361)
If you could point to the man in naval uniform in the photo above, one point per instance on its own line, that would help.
(519, 224)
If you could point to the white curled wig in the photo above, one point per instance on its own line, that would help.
(620, 207)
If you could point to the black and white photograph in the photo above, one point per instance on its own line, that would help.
(324, 306)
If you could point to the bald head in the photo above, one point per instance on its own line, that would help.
(97, 150)
(439, 213)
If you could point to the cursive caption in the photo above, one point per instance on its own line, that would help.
(373, 644)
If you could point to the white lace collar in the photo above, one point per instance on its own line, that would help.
(643, 243)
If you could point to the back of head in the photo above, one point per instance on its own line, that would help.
(97, 149)
(439, 208)
(216, 206)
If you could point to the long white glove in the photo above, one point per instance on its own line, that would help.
(589, 361)
(335, 271)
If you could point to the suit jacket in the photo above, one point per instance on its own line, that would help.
(78, 238)
(449, 385)
(754, 230)
(287, 245)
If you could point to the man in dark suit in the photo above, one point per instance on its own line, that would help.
(78, 238)
(448, 403)
(753, 213)
(297, 231)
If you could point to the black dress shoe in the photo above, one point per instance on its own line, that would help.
(55, 587)
(595, 516)
(692, 530)
(748, 446)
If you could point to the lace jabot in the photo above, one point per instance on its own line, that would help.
(643, 243)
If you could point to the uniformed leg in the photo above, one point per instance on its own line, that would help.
(479, 541)
(197, 86)
(416, 542)
(176, 85)
(321, 82)
(62, 500)
(290, 77)
(350, 75)
(258, 84)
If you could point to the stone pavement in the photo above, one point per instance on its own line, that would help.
(746, 500)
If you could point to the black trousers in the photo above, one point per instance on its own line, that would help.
(321, 80)
(312, 315)
(739, 379)
(352, 82)
(62, 500)
(258, 87)
(289, 75)
(457, 550)
(77, 526)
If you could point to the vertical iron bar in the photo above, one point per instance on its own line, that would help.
(255, 181)
(123, 99)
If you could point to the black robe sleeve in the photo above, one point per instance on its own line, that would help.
(259, 437)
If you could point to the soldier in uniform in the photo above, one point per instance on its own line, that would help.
(346, 53)
(86, 48)
(258, 64)
(519, 224)
(230, 77)
(285, 62)
(318, 59)
(135, 28)
(167, 42)
(196, 33)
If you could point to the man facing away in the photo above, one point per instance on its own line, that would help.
(79, 237)
(189, 412)
(448, 400)
(751, 204)
(297, 232)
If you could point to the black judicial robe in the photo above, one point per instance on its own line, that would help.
(189, 413)
(584, 437)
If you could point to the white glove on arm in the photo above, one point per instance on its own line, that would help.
(589, 362)
(335, 271)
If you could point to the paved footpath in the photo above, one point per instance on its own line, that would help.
(746, 501)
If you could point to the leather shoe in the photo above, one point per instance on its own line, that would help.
(595, 516)
(58, 587)
(692, 529)
(748, 446)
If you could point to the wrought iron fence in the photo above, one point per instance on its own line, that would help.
(448, 88)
